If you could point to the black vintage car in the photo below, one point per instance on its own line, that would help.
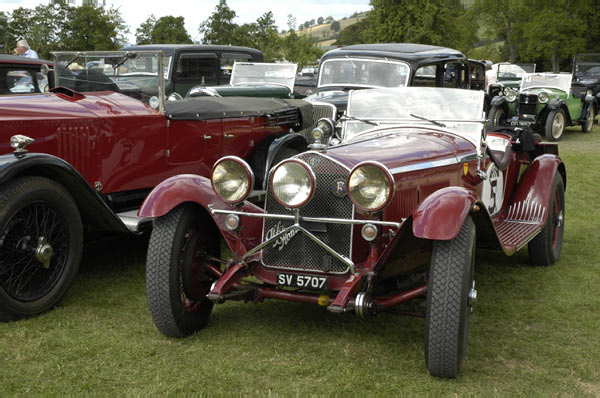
(586, 71)
(22, 75)
(188, 65)
(393, 65)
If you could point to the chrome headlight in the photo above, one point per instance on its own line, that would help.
(293, 183)
(232, 179)
(543, 97)
(323, 130)
(370, 186)
(511, 95)
(174, 97)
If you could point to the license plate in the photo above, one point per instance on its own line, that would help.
(305, 281)
(523, 123)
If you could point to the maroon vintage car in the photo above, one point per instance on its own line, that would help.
(96, 150)
(387, 218)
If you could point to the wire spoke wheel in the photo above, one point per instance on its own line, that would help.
(40, 245)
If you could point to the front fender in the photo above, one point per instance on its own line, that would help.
(186, 188)
(93, 209)
(536, 184)
(441, 215)
(499, 100)
(556, 103)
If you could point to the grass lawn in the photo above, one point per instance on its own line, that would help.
(534, 330)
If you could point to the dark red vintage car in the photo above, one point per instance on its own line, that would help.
(388, 218)
(95, 154)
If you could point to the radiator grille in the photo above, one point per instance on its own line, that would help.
(299, 252)
(527, 104)
(320, 110)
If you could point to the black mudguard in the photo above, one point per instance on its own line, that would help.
(95, 213)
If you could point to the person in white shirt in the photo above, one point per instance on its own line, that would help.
(24, 50)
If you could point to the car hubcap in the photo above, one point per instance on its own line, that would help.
(44, 252)
(472, 296)
(590, 120)
(558, 125)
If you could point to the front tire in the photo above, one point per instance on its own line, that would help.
(544, 249)
(450, 299)
(41, 242)
(587, 126)
(555, 124)
(176, 281)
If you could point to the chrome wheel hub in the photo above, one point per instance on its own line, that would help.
(472, 296)
(44, 252)
(559, 219)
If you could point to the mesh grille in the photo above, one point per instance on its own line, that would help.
(299, 252)
(527, 104)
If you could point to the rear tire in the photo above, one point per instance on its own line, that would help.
(545, 248)
(41, 241)
(588, 125)
(179, 244)
(450, 298)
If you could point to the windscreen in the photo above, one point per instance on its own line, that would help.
(514, 71)
(369, 73)
(135, 74)
(264, 73)
(587, 66)
(459, 110)
(547, 80)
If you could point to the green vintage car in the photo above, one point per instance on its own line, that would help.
(547, 103)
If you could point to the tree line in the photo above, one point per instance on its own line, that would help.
(547, 33)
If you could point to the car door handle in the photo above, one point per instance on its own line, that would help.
(207, 137)
(229, 135)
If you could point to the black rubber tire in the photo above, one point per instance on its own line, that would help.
(447, 318)
(30, 208)
(179, 239)
(497, 116)
(588, 125)
(552, 135)
(544, 249)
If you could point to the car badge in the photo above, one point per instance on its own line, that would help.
(466, 168)
(339, 188)
(313, 161)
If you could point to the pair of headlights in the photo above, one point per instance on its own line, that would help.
(511, 96)
(293, 183)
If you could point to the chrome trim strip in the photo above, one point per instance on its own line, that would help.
(435, 163)
(424, 165)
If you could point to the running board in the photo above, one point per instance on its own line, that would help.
(523, 223)
(133, 222)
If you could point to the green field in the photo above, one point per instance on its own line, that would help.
(534, 330)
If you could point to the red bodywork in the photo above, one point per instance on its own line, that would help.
(439, 182)
(120, 144)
